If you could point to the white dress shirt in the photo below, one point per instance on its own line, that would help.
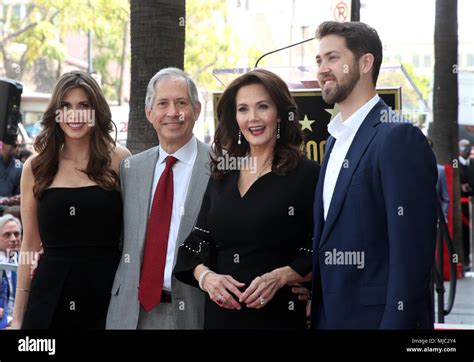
(463, 161)
(182, 169)
(344, 133)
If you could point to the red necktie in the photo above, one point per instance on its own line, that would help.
(158, 229)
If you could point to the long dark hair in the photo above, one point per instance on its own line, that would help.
(51, 138)
(288, 148)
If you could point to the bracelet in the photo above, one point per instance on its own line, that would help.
(23, 290)
(201, 278)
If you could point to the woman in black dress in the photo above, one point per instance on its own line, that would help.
(253, 236)
(70, 207)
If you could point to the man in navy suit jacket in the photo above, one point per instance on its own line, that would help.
(375, 208)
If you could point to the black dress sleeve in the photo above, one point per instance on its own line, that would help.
(198, 246)
(302, 264)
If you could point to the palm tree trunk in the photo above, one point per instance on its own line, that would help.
(445, 102)
(157, 41)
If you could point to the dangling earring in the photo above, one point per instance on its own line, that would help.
(278, 131)
(239, 141)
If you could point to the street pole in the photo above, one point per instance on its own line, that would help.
(355, 10)
(89, 52)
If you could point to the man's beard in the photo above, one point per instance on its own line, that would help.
(342, 89)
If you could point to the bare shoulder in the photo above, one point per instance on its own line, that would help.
(27, 171)
(121, 152)
(118, 154)
(27, 182)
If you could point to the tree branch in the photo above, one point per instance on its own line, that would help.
(19, 32)
(205, 68)
(32, 25)
(28, 13)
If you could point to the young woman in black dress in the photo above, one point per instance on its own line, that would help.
(70, 207)
(253, 237)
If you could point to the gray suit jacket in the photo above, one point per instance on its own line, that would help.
(136, 174)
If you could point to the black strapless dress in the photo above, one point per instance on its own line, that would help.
(80, 230)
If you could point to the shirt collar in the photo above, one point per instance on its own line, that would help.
(356, 119)
(3, 257)
(339, 129)
(463, 161)
(185, 154)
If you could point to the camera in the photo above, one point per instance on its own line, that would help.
(10, 116)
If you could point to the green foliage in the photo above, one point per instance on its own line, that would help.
(210, 42)
(39, 32)
(422, 82)
(412, 108)
(108, 41)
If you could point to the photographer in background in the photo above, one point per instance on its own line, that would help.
(10, 173)
(10, 169)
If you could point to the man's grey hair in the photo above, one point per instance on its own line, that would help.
(6, 218)
(174, 73)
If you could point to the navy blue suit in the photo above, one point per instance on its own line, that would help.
(384, 207)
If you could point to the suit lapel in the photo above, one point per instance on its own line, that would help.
(359, 144)
(197, 186)
(319, 205)
(144, 187)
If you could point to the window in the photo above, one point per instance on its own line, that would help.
(416, 61)
(470, 60)
(427, 61)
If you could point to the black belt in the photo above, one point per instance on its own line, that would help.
(166, 297)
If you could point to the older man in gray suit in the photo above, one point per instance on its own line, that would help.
(162, 190)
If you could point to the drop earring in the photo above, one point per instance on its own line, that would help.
(278, 131)
(239, 141)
